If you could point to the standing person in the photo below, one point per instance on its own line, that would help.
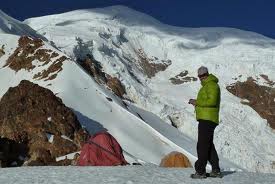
(207, 107)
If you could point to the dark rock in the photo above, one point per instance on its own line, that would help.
(109, 99)
(182, 78)
(28, 113)
(2, 52)
(151, 66)
(12, 152)
(94, 69)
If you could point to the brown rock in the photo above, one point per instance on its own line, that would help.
(75, 160)
(175, 159)
(94, 69)
(260, 98)
(116, 86)
(40, 156)
(19, 59)
(28, 50)
(28, 113)
(151, 66)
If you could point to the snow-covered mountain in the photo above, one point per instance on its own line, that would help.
(79, 91)
(157, 65)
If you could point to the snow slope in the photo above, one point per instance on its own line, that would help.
(122, 175)
(89, 102)
(114, 35)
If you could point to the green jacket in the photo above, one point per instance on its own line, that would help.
(208, 100)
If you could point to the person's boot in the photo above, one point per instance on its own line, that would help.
(198, 176)
(215, 174)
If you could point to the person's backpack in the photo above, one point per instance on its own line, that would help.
(102, 149)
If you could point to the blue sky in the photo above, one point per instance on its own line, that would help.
(252, 15)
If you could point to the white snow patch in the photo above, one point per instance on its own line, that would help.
(245, 101)
(67, 138)
(50, 137)
(68, 156)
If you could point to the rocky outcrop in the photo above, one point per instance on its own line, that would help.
(115, 85)
(148, 66)
(182, 78)
(30, 50)
(94, 69)
(34, 117)
(260, 98)
(2, 51)
(151, 66)
(51, 72)
(175, 159)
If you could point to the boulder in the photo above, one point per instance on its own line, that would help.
(33, 116)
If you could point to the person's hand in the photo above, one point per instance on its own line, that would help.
(192, 101)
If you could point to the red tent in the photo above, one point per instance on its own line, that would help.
(102, 149)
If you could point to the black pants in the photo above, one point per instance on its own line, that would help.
(205, 147)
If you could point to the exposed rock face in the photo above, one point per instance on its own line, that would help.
(151, 66)
(94, 69)
(12, 152)
(175, 159)
(30, 114)
(260, 98)
(30, 50)
(267, 80)
(148, 66)
(175, 120)
(273, 165)
(53, 69)
(115, 85)
(182, 78)
(2, 52)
